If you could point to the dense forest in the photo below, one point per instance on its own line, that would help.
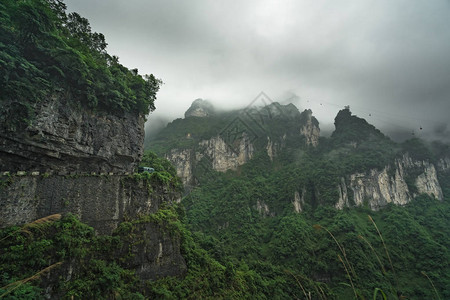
(45, 52)
(245, 219)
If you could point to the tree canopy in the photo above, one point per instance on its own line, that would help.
(45, 51)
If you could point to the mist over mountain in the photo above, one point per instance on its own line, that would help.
(259, 179)
(387, 59)
(398, 126)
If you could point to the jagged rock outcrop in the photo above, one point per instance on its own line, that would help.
(218, 154)
(299, 201)
(66, 138)
(273, 147)
(200, 108)
(309, 128)
(270, 148)
(391, 185)
(343, 195)
(443, 164)
(222, 156)
(263, 208)
(352, 130)
(183, 160)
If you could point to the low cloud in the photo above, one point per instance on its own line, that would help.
(388, 60)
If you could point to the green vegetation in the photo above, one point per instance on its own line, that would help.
(45, 52)
(185, 133)
(242, 239)
(165, 173)
(246, 217)
(61, 244)
(285, 248)
(85, 266)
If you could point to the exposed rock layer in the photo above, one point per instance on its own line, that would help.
(65, 138)
(214, 152)
(101, 202)
(391, 185)
(309, 128)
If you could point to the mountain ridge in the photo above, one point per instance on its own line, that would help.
(356, 149)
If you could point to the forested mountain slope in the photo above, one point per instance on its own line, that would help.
(355, 213)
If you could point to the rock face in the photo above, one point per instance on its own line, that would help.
(216, 152)
(200, 108)
(309, 128)
(379, 188)
(222, 156)
(443, 164)
(66, 139)
(154, 252)
(270, 148)
(183, 159)
(101, 202)
(263, 208)
(299, 201)
(63, 139)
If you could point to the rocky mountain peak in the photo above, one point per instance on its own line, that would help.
(200, 108)
(350, 128)
(309, 128)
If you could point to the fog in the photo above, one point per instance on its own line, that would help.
(388, 60)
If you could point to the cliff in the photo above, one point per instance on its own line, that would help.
(227, 141)
(309, 128)
(397, 184)
(269, 188)
(102, 202)
(213, 153)
(99, 201)
(65, 138)
(71, 159)
(357, 166)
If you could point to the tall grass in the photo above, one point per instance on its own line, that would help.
(346, 264)
(384, 245)
(374, 252)
(14, 285)
(307, 295)
(432, 284)
(38, 224)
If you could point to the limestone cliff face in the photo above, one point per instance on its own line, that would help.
(65, 138)
(443, 164)
(220, 155)
(101, 202)
(263, 209)
(309, 128)
(183, 159)
(299, 201)
(224, 157)
(273, 147)
(390, 185)
(155, 252)
(68, 142)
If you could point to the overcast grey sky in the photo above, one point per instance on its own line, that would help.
(386, 58)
